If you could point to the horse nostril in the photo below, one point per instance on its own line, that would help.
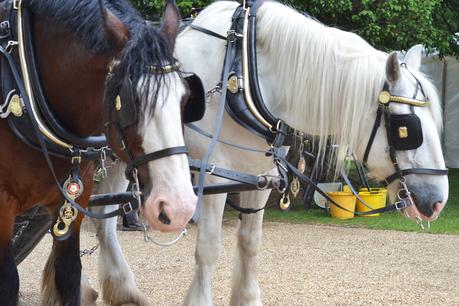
(163, 217)
(437, 206)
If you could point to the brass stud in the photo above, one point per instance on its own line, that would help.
(232, 84)
(384, 97)
(118, 103)
(15, 106)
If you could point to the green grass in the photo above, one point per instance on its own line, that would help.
(447, 223)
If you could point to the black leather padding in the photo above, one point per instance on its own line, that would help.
(127, 115)
(195, 107)
(410, 125)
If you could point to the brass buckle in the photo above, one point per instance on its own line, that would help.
(76, 159)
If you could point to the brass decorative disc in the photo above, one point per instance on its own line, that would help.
(15, 106)
(73, 188)
(384, 97)
(295, 187)
(68, 213)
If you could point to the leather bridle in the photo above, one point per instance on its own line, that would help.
(384, 99)
(130, 112)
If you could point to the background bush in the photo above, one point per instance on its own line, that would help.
(387, 25)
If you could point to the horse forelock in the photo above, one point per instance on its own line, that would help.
(84, 19)
(146, 47)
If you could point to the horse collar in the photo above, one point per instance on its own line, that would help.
(15, 32)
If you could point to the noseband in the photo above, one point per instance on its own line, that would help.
(404, 132)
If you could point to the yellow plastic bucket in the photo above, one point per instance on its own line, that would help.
(376, 198)
(346, 200)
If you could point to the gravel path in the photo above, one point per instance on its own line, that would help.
(299, 264)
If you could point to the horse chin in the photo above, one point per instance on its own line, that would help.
(412, 212)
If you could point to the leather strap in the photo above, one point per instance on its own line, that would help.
(154, 156)
(207, 31)
(232, 175)
(373, 134)
(218, 126)
(404, 172)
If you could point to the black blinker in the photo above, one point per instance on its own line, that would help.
(406, 131)
(126, 107)
(195, 107)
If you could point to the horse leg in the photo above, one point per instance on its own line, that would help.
(88, 294)
(115, 276)
(62, 274)
(245, 289)
(9, 277)
(208, 248)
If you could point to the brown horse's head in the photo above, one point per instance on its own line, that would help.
(75, 42)
(145, 92)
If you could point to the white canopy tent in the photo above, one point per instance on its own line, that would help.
(445, 75)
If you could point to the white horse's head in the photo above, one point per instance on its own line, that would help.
(152, 96)
(430, 192)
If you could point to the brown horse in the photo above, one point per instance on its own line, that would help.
(74, 43)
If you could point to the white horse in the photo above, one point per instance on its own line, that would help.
(319, 80)
(161, 93)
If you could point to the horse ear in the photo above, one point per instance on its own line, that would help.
(392, 68)
(413, 57)
(117, 31)
(171, 21)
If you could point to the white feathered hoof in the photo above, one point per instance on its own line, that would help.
(88, 295)
(117, 294)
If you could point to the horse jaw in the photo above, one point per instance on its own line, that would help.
(172, 193)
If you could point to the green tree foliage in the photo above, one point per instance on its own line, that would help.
(387, 25)
(393, 24)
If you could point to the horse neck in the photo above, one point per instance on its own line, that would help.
(72, 78)
(319, 80)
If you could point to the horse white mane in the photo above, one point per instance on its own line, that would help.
(319, 79)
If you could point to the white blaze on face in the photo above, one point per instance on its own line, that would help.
(172, 191)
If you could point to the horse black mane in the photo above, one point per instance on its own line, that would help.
(146, 47)
(85, 19)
